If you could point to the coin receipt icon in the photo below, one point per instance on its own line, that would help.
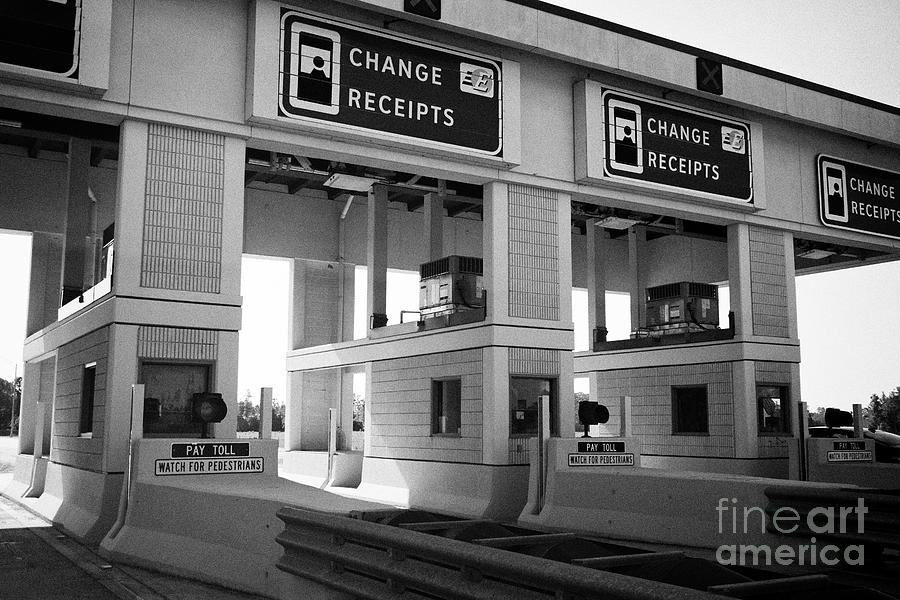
(474, 79)
(734, 140)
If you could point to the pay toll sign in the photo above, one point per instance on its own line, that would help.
(371, 80)
(209, 458)
(654, 142)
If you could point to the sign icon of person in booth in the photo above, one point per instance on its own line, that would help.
(836, 193)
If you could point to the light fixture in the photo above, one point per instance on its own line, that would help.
(613, 222)
(8, 123)
(815, 254)
(353, 183)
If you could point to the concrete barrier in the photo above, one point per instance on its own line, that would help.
(215, 524)
(832, 460)
(477, 491)
(683, 508)
(311, 468)
(23, 469)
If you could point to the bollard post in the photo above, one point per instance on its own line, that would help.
(332, 445)
(625, 422)
(38, 447)
(543, 436)
(136, 433)
(265, 413)
(804, 435)
(857, 421)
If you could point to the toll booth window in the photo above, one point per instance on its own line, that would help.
(690, 413)
(524, 399)
(88, 381)
(446, 395)
(168, 390)
(772, 409)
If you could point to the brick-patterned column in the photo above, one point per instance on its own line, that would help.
(528, 278)
(179, 238)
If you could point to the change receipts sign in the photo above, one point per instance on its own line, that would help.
(376, 81)
(684, 149)
(858, 197)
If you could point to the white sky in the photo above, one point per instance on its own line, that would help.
(848, 320)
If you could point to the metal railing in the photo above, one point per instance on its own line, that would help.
(372, 560)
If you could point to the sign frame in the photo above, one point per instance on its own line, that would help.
(848, 456)
(751, 202)
(506, 151)
(596, 459)
(191, 470)
(822, 160)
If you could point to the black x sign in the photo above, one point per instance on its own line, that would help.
(709, 76)
(424, 8)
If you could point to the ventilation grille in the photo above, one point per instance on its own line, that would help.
(682, 289)
(451, 264)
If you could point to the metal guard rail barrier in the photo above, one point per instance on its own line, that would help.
(881, 523)
(372, 560)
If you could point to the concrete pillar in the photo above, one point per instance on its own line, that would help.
(746, 426)
(739, 278)
(46, 272)
(495, 386)
(121, 376)
(434, 225)
(376, 256)
(495, 243)
(346, 409)
(790, 283)
(348, 300)
(595, 262)
(293, 410)
(31, 389)
(226, 375)
(566, 377)
(367, 432)
(637, 243)
(297, 313)
(131, 189)
(78, 222)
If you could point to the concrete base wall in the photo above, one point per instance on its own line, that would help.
(862, 473)
(311, 468)
(82, 503)
(479, 491)
(764, 467)
(650, 505)
(21, 479)
(219, 528)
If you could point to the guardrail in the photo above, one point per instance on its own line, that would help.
(880, 526)
(376, 561)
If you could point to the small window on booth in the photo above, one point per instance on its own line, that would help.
(772, 409)
(524, 400)
(446, 396)
(88, 381)
(690, 414)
